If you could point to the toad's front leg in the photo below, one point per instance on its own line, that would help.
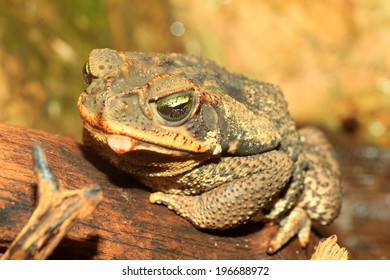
(234, 202)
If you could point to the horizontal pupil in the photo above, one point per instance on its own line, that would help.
(180, 106)
(175, 108)
(173, 112)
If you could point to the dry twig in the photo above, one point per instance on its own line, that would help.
(328, 249)
(56, 211)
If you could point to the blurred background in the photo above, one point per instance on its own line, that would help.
(331, 58)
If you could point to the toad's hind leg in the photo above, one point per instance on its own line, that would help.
(233, 202)
(321, 197)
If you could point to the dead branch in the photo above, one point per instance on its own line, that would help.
(57, 210)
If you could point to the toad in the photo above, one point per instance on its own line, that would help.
(217, 148)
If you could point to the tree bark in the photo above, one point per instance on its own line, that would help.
(125, 225)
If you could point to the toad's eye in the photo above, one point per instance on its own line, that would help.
(87, 75)
(175, 109)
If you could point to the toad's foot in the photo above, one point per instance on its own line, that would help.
(297, 222)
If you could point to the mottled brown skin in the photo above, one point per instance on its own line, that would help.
(217, 148)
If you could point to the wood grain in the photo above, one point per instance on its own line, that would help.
(125, 225)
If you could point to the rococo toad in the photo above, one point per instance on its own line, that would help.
(218, 148)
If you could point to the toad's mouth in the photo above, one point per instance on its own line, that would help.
(139, 158)
(122, 144)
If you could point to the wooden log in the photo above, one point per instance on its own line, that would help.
(125, 225)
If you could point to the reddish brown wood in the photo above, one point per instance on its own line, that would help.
(363, 226)
(125, 225)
